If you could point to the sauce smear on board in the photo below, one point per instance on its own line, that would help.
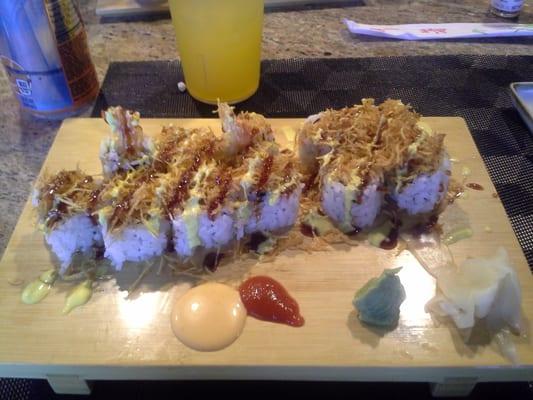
(266, 299)
(475, 186)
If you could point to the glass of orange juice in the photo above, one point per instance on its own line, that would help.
(220, 47)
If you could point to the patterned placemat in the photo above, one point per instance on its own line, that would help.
(473, 87)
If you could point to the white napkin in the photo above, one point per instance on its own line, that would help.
(440, 31)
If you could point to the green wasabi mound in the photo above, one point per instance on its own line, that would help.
(378, 301)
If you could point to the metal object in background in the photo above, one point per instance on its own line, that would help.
(43, 47)
(522, 96)
(506, 8)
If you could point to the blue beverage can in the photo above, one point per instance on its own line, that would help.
(43, 47)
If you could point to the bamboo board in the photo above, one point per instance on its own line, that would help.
(115, 338)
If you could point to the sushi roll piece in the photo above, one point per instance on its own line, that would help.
(268, 177)
(350, 190)
(271, 183)
(194, 192)
(126, 148)
(131, 217)
(337, 146)
(203, 218)
(361, 152)
(64, 205)
(421, 183)
(414, 160)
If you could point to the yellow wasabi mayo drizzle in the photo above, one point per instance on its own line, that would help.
(243, 212)
(458, 235)
(320, 223)
(190, 218)
(350, 193)
(377, 235)
(192, 209)
(80, 295)
(38, 289)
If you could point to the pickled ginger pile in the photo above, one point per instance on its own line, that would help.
(480, 290)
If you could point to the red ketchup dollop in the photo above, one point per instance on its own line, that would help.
(265, 299)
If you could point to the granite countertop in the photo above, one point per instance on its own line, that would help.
(306, 32)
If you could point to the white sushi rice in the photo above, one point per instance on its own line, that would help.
(135, 243)
(205, 232)
(77, 233)
(425, 192)
(361, 214)
(274, 215)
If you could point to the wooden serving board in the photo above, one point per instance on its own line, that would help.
(115, 338)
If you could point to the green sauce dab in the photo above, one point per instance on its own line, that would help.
(38, 289)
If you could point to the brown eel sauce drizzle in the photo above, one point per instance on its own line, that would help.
(180, 192)
(223, 181)
(475, 186)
